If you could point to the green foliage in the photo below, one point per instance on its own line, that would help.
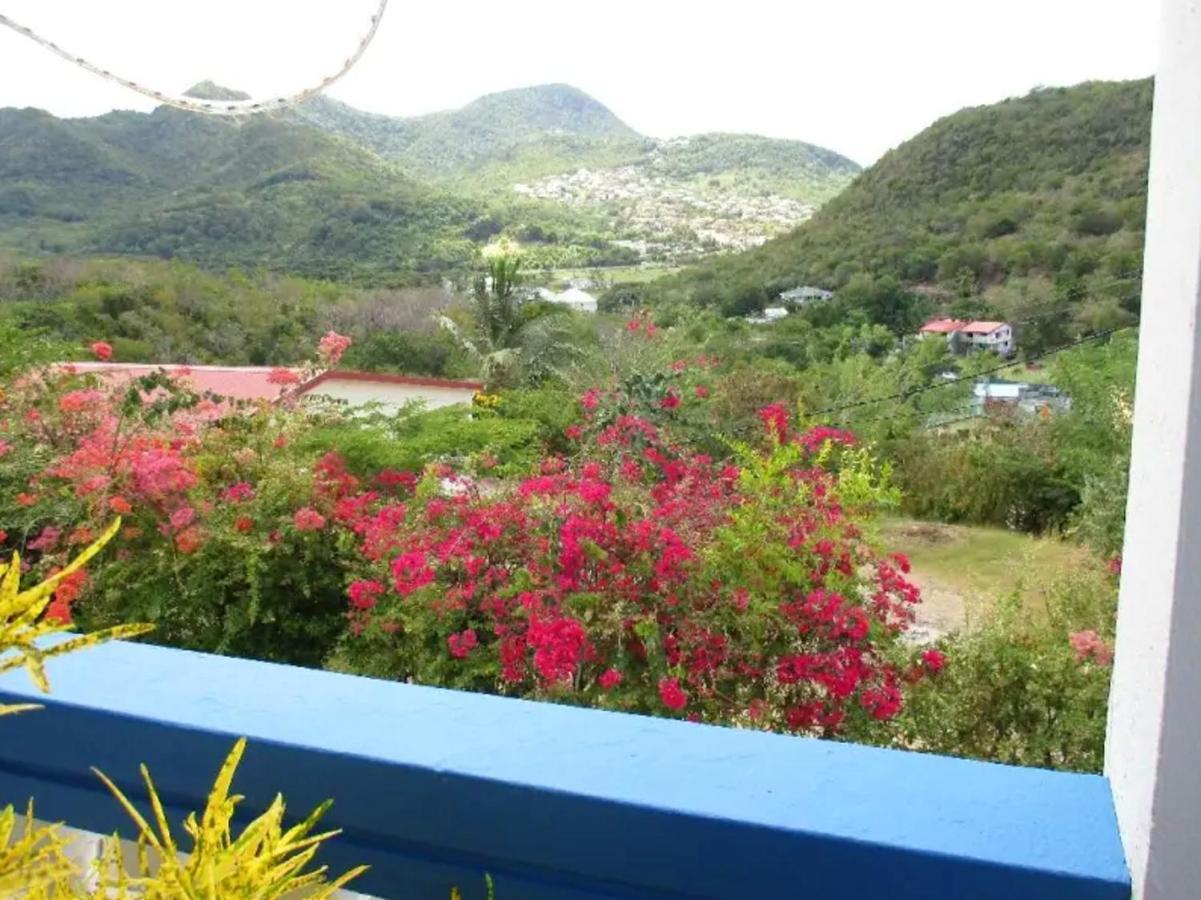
(1004, 470)
(415, 438)
(1015, 690)
(513, 338)
(1031, 190)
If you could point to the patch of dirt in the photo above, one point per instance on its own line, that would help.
(941, 611)
(930, 532)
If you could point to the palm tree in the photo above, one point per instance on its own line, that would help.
(514, 340)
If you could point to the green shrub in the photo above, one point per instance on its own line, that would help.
(1025, 687)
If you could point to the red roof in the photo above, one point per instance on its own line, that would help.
(982, 327)
(388, 378)
(235, 382)
(942, 326)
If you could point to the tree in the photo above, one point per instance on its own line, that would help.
(513, 338)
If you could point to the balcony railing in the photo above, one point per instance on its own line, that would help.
(433, 788)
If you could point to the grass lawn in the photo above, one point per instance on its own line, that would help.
(978, 564)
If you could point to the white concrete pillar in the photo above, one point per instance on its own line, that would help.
(1153, 748)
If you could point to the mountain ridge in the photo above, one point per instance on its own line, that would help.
(274, 189)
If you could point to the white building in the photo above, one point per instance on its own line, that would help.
(769, 315)
(994, 336)
(799, 296)
(389, 392)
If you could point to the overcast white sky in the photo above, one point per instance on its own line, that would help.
(858, 76)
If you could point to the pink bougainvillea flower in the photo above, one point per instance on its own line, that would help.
(102, 350)
(182, 517)
(308, 519)
(672, 695)
(934, 660)
(189, 540)
(364, 594)
(238, 493)
(589, 399)
(1091, 646)
(775, 419)
(331, 347)
(462, 644)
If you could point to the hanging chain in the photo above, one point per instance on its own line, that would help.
(212, 108)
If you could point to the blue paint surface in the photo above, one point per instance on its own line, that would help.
(434, 787)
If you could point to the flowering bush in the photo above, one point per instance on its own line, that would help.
(644, 577)
(1027, 687)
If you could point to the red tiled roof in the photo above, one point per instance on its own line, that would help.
(387, 378)
(942, 326)
(982, 327)
(234, 382)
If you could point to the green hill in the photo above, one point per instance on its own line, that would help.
(1033, 204)
(330, 191)
(556, 123)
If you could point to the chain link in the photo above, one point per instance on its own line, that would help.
(209, 107)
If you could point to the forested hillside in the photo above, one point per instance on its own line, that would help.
(1032, 204)
(333, 192)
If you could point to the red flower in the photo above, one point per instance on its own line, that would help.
(308, 519)
(462, 644)
(609, 679)
(670, 400)
(364, 594)
(24, 499)
(243, 524)
(701, 391)
(410, 572)
(120, 506)
(102, 350)
(189, 540)
(775, 420)
(1090, 645)
(574, 432)
(1115, 565)
(236, 493)
(934, 660)
(282, 376)
(589, 399)
(331, 347)
(672, 695)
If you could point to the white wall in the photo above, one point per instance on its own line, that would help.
(1153, 748)
(391, 397)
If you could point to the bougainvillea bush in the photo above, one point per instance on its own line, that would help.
(630, 570)
(645, 577)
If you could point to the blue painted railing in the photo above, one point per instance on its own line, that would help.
(433, 788)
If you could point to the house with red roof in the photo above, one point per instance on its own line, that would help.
(230, 382)
(964, 337)
(271, 383)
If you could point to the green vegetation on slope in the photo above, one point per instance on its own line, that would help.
(1013, 209)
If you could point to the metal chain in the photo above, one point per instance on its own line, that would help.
(212, 108)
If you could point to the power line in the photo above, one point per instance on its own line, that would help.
(221, 108)
(905, 395)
